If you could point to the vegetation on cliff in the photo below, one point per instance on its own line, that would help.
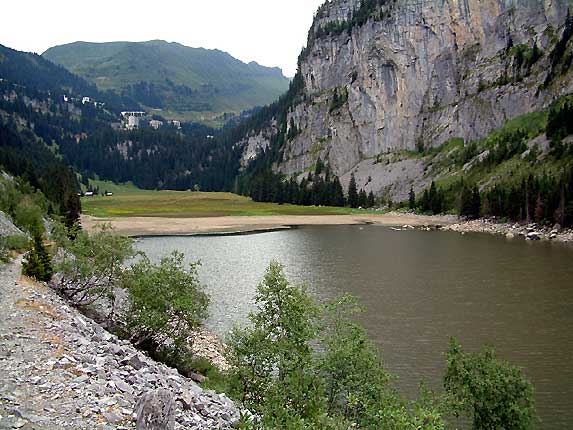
(507, 176)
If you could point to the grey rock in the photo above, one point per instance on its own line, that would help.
(136, 362)
(155, 411)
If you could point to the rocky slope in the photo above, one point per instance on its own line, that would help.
(59, 369)
(412, 75)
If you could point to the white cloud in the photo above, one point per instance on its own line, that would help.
(270, 32)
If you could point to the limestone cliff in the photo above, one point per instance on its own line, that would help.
(411, 75)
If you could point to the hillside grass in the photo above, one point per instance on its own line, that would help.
(127, 202)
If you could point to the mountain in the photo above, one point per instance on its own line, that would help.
(382, 84)
(181, 82)
(45, 123)
(35, 72)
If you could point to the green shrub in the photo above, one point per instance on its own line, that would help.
(303, 368)
(28, 215)
(12, 243)
(166, 303)
(90, 266)
(495, 394)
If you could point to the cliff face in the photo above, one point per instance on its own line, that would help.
(414, 75)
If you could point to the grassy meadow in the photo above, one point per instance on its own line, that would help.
(129, 201)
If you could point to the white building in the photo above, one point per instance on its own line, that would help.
(155, 124)
(132, 122)
(86, 100)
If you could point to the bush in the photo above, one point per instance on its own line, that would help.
(12, 243)
(495, 394)
(166, 303)
(300, 367)
(273, 358)
(90, 267)
(28, 215)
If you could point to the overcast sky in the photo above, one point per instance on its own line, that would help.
(270, 32)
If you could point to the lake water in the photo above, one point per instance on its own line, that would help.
(418, 289)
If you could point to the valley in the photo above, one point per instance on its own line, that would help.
(383, 241)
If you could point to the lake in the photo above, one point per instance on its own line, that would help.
(418, 289)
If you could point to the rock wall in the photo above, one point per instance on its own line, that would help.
(421, 73)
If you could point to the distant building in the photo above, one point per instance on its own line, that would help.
(132, 123)
(89, 194)
(130, 119)
(176, 124)
(155, 124)
(86, 100)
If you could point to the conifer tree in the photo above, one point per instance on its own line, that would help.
(362, 199)
(38, 263)
(412, 199)
(371, 200)
(352, 193)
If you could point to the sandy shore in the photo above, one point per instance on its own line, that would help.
(150, 226)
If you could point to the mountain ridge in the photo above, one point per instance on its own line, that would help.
(179, 81)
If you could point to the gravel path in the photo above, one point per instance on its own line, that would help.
(60, 370)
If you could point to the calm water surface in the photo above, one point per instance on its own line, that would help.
(418, 288)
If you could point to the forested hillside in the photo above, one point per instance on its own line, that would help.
(45, 122)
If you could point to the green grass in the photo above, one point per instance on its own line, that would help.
(185, 204)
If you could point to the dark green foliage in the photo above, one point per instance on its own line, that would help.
(560, 121)
(412, 199)
(362, 199)
(470, 204)
(432, 200)
(371, 200)
(547, 198)
(493, 393)
(353, 201)
(316, 190)
(71, 210)
(22, 155)
(37, 263)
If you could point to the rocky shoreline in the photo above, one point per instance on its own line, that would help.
(512, 230)
(59, 369)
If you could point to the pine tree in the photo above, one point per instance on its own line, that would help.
(412, 199)
(352, 193)
(71, 210)
(338, 194)
(362, 199)
(371, 200)
(38, 263)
